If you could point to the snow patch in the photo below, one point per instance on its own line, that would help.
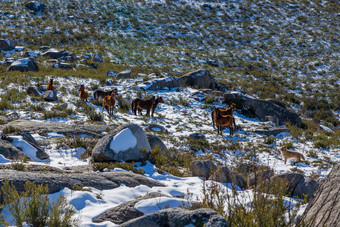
(123, 141)
(27, 148)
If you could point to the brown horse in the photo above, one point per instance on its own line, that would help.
(99, 93)
(224, 121)
(158, 100)
(228, 111)
(142, 104)
(83, 93)
(109, 102)
(50, 85)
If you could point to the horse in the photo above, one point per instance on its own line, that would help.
(99, 93)
(83, 93)
(140, 104)
(109, 102)
(158, 100)
(50, 85)
(222, 121)
(228, 111)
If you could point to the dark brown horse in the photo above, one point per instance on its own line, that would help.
(99, 93)
(228, 111)
(109, 102)
(224, 121)
(142, 104)
(158, 100)
(83, 93)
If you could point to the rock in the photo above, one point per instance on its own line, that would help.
(122, 144)
(305, 187)
(97, 58)
(197, 136)
(273, 119)
(94, 66)
(9, 151)
(323, 208)
(33, 91)
(31, 54)
(63, 65)
(224, 175)
(252, 107)
(259, 177)
(156, 128)
(292, 180)
(44, 48)
(277, 102)
(124, 74)
(6, 45)
(203, 168)
(50, 96)
(179, 217)
(58, 127)
(111, 73)
(57, 181)
(198, 79)
(125, 211)
(41, 154)
(155, 141)
(54, 53)
(24, 64)
(36, 6)
(271, 132)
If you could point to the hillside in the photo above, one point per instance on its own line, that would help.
(286, 51)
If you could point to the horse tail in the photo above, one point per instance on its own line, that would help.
(212, 116)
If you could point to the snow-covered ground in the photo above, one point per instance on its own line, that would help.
(180, 121)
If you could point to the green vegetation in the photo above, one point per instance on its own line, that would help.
(100, 166)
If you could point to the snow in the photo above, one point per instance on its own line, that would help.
(149, 206)
(3, 159)
(27, 148)
(21, 62)
(123, 141)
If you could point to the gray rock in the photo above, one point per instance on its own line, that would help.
(199, 79)
(273, 119)
(305, 187)
(33, 91)
(259, 177)
(23, 65)
(156, 128)
(323, 208)
(7, 44)
(253, 107)
(97, 58)
(271, 132)
(155, 141)
(54, 53)
(197, 136)
(176, 217)
(277, 102)
(9, 151)
(137, 138)
(50, 96)
(36, 6)
(203, 168)
(125, 211)
(63, 65)
(124, 74)
(57, 181)
(292, 180)
(41, 154)
(224, 175)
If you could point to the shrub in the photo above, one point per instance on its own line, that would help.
(33, 206)
(123, 104)
(100, 166)
(10, 129)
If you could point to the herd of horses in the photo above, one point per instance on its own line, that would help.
(220, 117)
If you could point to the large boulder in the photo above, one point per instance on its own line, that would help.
(224, 175)
(125, 211)
(7, 44)
(305, 187)
(122, 144)
(198, 79)
(253, 107)
(9, 151)
(175, 217)
(24, 64)
(292, 180)
(50, 96)
(203, 168)
(324, 207)
(54, 53)
(154, 141)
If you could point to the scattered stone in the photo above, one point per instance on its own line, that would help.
(50, 96)
(197, 136)
(6, 45)
(124, 74)
(31, 54)
(63, 65)
(111, 73)
(94, 66)
(122, 144)
(271, 132)
(97, 58)
(224, 175)
(54, 53)
(36, 6)
(125, 211)
(323, 208)
(203, 168)
(23, 65)
(179, 217)
(156, 128)
(33, 91)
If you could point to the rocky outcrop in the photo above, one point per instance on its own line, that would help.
(253, 107)
(203, 168)
(122, 144)
(324, 207)
(23, 65)
(125, 211)
(9, 151)
(57, 181)
(179, 217)
(7, 44)
(198, 79)
(50, 96)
